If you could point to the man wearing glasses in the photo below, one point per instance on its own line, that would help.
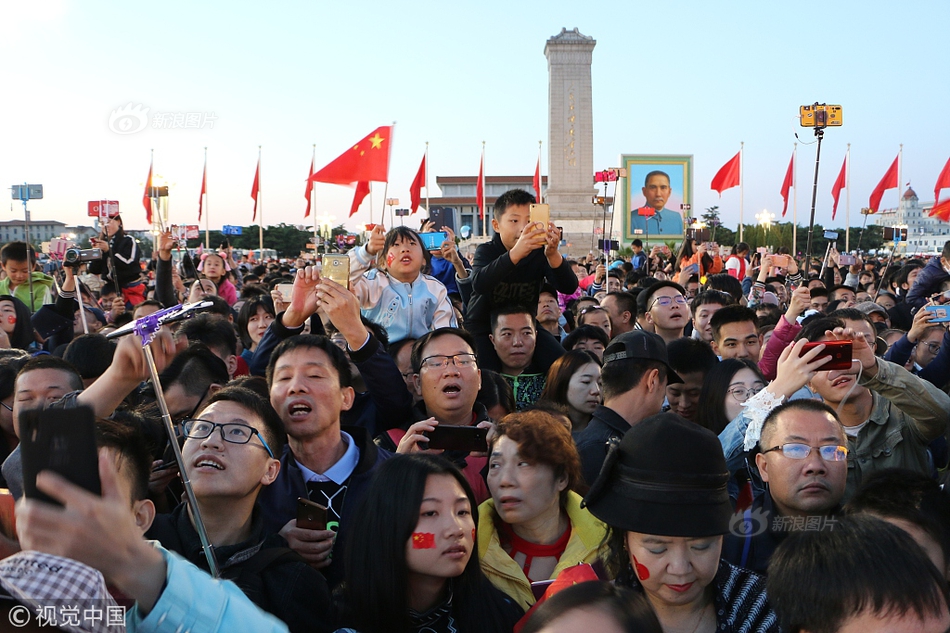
(667, 309)
(802, 460)
(230, 456)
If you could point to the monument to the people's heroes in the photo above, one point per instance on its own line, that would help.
(571, 139)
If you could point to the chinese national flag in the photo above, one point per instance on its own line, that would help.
(204, 190)
(840, 183)
(415, 189)
(480, 188)
(536, 183)
(889, 181)
(307, 193)
(787, 184)
(943, 181)
(362, 190)
(941, 210)
(256, 187)
(727, 177)
(367, 160)
(146, 198)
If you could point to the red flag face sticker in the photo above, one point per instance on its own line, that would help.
(642, 572)
(423, 540)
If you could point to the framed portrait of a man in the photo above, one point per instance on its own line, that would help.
(658, 196)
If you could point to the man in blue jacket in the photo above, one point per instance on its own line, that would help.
(929, 280)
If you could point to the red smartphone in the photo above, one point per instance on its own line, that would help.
(310, 515)
(838, 351)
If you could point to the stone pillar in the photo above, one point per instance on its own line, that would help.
(571, 139)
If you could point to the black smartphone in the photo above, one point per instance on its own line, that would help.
(470, 439)
(311, 515)
(442, 217)
(63, 441)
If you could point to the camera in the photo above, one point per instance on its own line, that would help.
(76, 257)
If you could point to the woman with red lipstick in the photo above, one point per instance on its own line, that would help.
(533, 527)
(662, 491)
(411, 565)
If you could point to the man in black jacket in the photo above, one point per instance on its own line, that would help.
(120, 262)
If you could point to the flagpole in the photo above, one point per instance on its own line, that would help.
(484, 194)
(795, 201)
(540, 177)
(741, 189)
(847, 201)
(204, 180)
(313, 209)
(260, 207)
(900, 196)
(427, 179)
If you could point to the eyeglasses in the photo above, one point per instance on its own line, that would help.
(933, 347)
(7, 407)
(741, 394)
(232, 432)
(441, 362)
(801, 451)
(666, 301)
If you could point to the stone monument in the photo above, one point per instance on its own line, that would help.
(571, 139)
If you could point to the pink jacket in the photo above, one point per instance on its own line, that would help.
(782, 336)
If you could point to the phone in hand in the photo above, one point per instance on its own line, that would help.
(541, 213)
(941, 313)
(442, 217)
(311, 515)
(336, 268)
(286, 292)
(692, 269)
(469, 439)
(780, 261)
(847, 260)
(433, 241)
(63, 441)
(838, 351)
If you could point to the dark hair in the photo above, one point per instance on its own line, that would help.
(495, 391)
(542, 438)
(417, 348)
(148, 302)
(803, 404)
(740, 247)
(904, 271)
(732, 314)
(91, 354)
(394, 349)
(257, 384)
(710, 297)
(712, 399)
(22, 335)
(212, 330)
(248, 310)
(9, 368)
(512, 197)
(637, 242)
(900, 493)
(584, 332)
(629, 608)
(337, 356)
(397, 234)
(260, 407)
(560, 374)
(130, 444)
(52, 362)
(509, 309)
(688, 355)
(814, 329)
(946, 250)
(726, 283)
(648, 293)
(219, 307)
(620, 376)
(655, 172)
(626, 302)
(377, 578)
(195, 369)
(819, 579)
(834, 289)
(819, 291)
(851, 314)
(17, 252)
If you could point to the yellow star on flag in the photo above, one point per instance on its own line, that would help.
(377, 141)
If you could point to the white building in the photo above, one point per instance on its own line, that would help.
(925, 235)
(40, 231)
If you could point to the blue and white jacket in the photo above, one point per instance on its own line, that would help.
(405, 310)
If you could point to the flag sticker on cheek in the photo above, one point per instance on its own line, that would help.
(390, 258)
(642, 572)
(423, 540)
(11, 319)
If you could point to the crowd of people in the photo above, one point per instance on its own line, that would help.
(695, 441)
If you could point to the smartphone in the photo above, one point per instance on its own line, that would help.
(941, 313)
(310, 515)
(165, 466)
(469, 439)
(780, 261)
(692, 269)
(286, 292)
(711, 246)
(831, 235)
(442, 217)
(838, 351)
(541, 213)
(336, 268)
(847, 260)
(433, 241)
(560, 231)
(762, 250)
(63, 441)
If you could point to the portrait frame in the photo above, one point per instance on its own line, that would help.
(664, 226)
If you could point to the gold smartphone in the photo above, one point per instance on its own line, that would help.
(337, 268)
(541, 213)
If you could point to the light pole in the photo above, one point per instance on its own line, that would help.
(765, 219)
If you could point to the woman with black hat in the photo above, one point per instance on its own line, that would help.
(662, 490)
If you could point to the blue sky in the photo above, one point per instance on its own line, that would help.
(671, 77)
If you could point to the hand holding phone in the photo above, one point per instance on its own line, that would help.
(838, 351)
(63, 441)
(311, 515)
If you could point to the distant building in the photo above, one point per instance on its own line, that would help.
(925, 235)
(40, 231)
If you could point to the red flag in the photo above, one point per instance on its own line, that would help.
(256, 187)
(787, 184)
(204, 189)
(366, 161)
(889, 181)
(146, 198)
(480, 188)
(943, 181)
(536, 183)
(362, 190)
(941, 210)
(307, 193)
(646, 212)
(727, 177)
(840, 183)
(415, 189)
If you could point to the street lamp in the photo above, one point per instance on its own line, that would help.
(326, 229)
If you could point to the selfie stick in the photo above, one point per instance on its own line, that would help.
(824, 262)
(147, 327)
